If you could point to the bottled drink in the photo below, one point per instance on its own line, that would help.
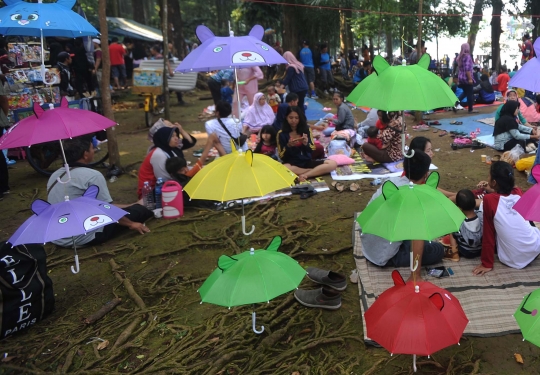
(148, 196)
(159, 185)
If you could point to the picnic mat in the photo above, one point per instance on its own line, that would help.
(488, 121)
(314, 110)
(488, 140)
(488, 301)
(470, 124)
(362, 169)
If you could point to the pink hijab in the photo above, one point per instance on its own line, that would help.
(258, 115)
(465, 50)
(291, 59)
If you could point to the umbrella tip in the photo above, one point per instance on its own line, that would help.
(411, 185)
(417, 289)
(251, 251)
(404, 62)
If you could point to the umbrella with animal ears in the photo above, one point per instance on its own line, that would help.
(528, 77)
(230, 52)
(69, 218)
(40, 19)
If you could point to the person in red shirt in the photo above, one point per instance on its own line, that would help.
(118, 66)
(502, 80)
(372, 133)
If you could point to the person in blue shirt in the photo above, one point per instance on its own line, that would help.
(325, 69)
(214, 83)
(484, 91)
(226, 92)
(306, 58)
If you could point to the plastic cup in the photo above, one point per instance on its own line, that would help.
(484, 157)
(488, 159)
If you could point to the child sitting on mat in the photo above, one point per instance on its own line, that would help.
(268, 142)
(517, 241)
(468, 241)
(372, 132)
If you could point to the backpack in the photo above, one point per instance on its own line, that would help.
(26, 292)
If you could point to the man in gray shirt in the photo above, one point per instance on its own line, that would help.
(380, 251)
(80, 152)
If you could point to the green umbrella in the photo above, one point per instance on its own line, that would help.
(411, 212)
(403, 87)
(527, 317)
(252, 277)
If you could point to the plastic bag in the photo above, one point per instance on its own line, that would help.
(338, 147)
(512, 156)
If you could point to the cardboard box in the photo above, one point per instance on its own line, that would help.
(147, 80)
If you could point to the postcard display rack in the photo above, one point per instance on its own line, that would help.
(24, 83)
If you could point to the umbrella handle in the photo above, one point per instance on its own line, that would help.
(244, 227)
(415, 267)
(76, 268)
(254, 319)
(66, 166)
(414, 362)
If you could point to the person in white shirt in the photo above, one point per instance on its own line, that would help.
(222, 120)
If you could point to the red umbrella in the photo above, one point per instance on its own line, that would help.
(415, 318)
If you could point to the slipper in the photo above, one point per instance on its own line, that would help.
(308, 194)
(339, 186)
(307, 188)
(354, 187)
(443, 133)
(434, 123)
(453, 122)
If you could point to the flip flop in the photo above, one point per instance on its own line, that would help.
(339, 186)
(302, 189)
(434, 123)
(443, 133)
(354, 187)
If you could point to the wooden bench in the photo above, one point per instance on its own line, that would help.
(180, 81)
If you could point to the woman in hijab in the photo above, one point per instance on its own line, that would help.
(508, 132)
(167, 144)
(258, 115)
(465, 76)
(295, 78)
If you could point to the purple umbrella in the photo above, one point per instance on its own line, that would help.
(216, 53)
(528, 77)
(66, 219)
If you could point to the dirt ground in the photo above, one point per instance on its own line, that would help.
(167, 331)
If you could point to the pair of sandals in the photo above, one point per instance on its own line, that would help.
(305, 191)
(456, 122)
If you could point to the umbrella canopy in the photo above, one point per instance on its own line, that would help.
(53, 125)
(415, 319)
(66, 219)
(526, 316)
(252, 277)
(528, 205)
(411, 212)
(217, 53)
(239, 175)
(403, 87)
(38, 19)
(528, 77)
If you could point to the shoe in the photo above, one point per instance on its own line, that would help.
(450, 254)
(10, 162)
(326, 92)
(323, 298)
(314, 96)
(459, 107)
(329, 278)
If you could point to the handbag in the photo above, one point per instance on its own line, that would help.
(240, 141)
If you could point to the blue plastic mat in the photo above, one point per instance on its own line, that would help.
(470, 124)
(314, 110)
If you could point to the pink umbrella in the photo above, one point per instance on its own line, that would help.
(54, 125)
(528, 205)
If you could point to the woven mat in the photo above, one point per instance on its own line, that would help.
(487, 121)
(488, 301)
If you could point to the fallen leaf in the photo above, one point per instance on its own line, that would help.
(518, 357)
(7, 359)
(102, 345)
(215, 339)
(140, 356)
(307, 330)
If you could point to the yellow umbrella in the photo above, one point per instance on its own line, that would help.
(239, 175)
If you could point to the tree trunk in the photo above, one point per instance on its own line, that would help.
(475, 23)
(112, 9)
(221, 12)
(535, 12)
(139, 12)
(290, 31)
(112, 144)
(350, 36)
(418, 114)
(389, 46)
(342, 32)
(165, 29)
(496, 34)
(176, 33)
(371, 49)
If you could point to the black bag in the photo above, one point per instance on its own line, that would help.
(26, 292)
(239, 142)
